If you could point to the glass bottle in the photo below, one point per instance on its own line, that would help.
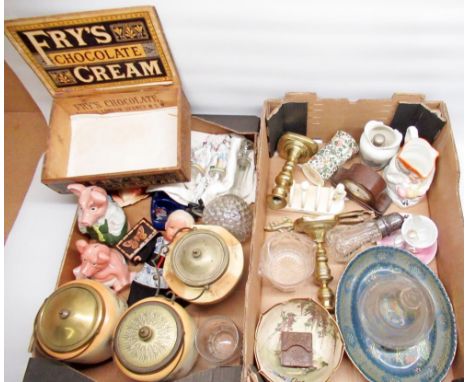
(343, 241)
(242, 169)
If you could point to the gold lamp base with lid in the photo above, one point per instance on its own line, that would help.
(295, 148)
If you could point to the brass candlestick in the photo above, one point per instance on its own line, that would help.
(295, 148)
(317, 229)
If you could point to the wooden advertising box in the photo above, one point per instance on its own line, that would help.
(119, 117)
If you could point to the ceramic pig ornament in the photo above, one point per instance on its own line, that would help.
(103, 264)
(98, 215)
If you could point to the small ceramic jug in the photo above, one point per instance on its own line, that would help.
(410, 173)
(378, 144)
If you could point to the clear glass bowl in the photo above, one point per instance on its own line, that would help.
(396, 311)
(218, 340)
(287, 260)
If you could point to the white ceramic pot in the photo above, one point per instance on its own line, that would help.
(378, 144)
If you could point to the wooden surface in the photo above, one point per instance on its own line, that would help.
(25, 138)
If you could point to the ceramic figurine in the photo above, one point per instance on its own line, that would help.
(378, 144)
(410, 173)
(102, 263)
(150, 278)
(98, 215)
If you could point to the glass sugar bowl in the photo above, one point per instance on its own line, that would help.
(287, 260)
(218, 340)
(396, 311)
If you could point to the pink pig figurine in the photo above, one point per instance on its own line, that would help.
(98, 215)
(103, 264)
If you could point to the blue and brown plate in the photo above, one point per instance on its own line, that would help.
(427, 361)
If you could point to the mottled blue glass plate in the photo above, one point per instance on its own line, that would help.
(427, 361)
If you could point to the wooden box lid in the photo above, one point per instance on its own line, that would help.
(78, 53)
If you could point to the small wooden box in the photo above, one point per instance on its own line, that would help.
(112, 61)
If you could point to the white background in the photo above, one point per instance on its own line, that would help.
(231, 56)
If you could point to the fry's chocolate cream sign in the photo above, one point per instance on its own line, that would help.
(100, 49)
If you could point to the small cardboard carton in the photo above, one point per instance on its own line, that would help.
(119, 117)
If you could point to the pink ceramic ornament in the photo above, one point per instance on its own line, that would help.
(103, 264)
(98, 215)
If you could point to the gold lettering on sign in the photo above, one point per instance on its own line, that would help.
(67, 38)
(89, 56)
(109, 72)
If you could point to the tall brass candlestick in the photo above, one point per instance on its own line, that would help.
(295, 148)
(317, 229)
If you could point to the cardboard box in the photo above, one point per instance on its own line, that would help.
(233, 306)
(442, 204)
(97, 63)
(253, 295)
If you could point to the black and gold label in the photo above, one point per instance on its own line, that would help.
(94, 49)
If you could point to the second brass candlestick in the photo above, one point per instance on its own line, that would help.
(317, 229)
(295, 148)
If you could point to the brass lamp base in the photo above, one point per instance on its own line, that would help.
(295, 148)
(317, 229)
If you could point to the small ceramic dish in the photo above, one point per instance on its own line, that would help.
(396, 240)
(218, 340)
(428, 360)
(298, 315)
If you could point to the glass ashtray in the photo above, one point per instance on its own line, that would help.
(396, 311)
(218, 340)
(287, 260)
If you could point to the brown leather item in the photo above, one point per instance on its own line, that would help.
(368, 179)
(296, 349)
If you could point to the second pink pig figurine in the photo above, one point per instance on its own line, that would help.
(98, 215)
(103, 264)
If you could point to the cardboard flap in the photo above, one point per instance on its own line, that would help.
(109, 49)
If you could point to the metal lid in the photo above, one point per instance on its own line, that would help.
(389, 223)
(70, 318)
(200, 258)
(148, 337)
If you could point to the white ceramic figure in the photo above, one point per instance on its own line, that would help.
(410, 173)
(378, 144)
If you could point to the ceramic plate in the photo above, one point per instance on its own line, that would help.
(298, 315)
(429, 360)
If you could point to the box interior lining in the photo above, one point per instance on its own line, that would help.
(111, 143)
